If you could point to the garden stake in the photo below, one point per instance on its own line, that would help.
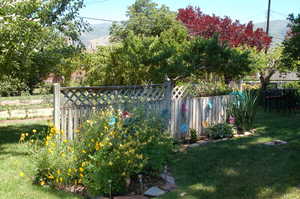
(165, 172)
(141, 184)
(110, 190)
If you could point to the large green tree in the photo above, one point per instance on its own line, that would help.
(291, 44)
(37, 36)
(212, 56)
(144, 18)
(266, 64)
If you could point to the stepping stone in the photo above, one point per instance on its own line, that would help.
(275, 142)
(193, 145)
(169, 179)
(130, 197)
(154, 192)
(169, 187)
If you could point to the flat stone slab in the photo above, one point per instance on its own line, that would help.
(275, 142)
(130, 197)
(154, 192)
(169, 187)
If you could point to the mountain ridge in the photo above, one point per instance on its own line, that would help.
(100, 33)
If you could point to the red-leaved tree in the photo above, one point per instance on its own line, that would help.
(235, 33)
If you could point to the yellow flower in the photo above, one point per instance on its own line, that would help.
(58, 171)
(110, 163)
(42, 182)
(81, 169)
(22, 137)
(26, 134)
(83, 151)
(81, 175)
(61, 179)
(69, 170)
(65, 141)
(50, 177)
(34, 131)
(22, 174)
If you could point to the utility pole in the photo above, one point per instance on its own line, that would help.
(268, 18)
(268, 22)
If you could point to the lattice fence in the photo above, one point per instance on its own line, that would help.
(74, 105)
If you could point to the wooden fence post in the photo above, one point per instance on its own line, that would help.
(168, 101)
(56, 101)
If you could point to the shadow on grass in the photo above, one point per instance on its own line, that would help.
(243, 167)
(11, 134)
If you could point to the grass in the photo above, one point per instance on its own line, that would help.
(243, 168)
(14, 160)
(27, 97)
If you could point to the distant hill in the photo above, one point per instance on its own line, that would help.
(278, 29)
(98, 36)
(100, 33)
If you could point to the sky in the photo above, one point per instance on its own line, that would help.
(242, 10)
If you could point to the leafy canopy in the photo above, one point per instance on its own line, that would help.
(37, 36)
(235, 33)
(145, 18)
(292, 44)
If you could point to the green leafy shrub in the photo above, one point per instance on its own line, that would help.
(118, 146)
(53, 157)
(243, 109)
(10, 86)
(204, 89)
(193, 134)
(222, 130)
(112, 146)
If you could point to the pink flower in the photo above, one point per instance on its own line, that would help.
(231, 120)
(125, 115)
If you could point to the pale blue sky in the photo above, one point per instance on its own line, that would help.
(243, 10)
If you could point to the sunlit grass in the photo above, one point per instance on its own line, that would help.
(244, 168)
(16, 169)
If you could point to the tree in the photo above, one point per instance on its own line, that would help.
(36, 37)
(212, 56)
(139, 59)
(235, 33)
(266, 64)
(145, 18)
(291, 44)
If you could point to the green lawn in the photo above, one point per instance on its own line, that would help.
(241, 168)
(244, 168)
(14, 160)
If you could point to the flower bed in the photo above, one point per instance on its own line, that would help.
(107, 155)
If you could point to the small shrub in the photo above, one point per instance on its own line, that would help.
(112, 146)
(193, 135)
(222, 130)
(10, 86)
(204, 89)
(118, 146)
(243, 109)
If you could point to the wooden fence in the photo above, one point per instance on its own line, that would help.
(74, 105)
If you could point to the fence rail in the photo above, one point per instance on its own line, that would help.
(74, 105)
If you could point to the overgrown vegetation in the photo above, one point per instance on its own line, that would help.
(112, 148)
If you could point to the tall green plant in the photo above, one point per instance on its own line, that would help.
(243, 108)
